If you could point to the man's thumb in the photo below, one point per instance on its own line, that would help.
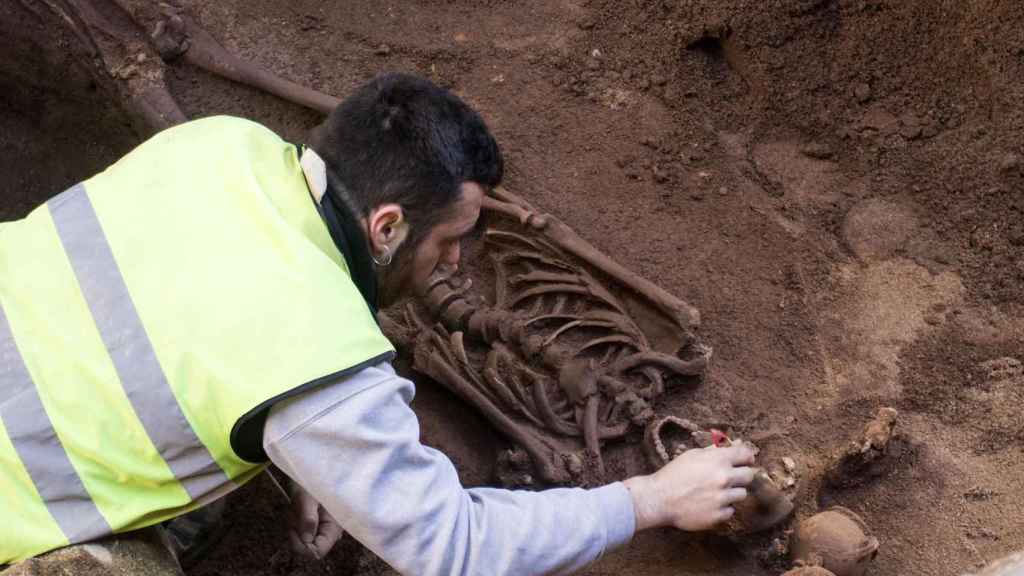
(306, 517)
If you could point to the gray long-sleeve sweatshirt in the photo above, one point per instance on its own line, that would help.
(354, 445)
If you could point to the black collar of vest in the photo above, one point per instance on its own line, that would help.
(351, 242)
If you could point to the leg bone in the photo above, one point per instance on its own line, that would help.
(204, 52)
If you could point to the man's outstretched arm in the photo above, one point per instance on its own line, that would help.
(354, 446)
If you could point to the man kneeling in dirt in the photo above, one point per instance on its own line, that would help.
(208, 303)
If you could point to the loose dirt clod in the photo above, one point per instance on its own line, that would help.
(862, 92)
(837, 540)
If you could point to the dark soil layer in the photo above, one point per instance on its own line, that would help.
(837, 185)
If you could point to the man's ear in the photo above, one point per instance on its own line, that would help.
(386, 228)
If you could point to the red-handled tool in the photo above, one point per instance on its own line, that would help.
(719, 439)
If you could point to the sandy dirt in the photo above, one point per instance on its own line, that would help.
(837, 185)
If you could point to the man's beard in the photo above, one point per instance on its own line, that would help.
(395, 281)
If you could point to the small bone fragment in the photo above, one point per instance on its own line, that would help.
(860, 459)
(789, 464)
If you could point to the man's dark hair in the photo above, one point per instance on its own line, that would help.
(402, 139)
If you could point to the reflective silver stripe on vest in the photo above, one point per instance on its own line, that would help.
(41, 453)
(118, 322)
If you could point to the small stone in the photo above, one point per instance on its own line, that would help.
(880, 120)
(983, 240)
(382, 50)
(789, 464)
(862, 92)
(1016, 236)
(126, 72)
(980, 494)
(593, 64)
(574, 463)
(723, 191)
(460, 37)
(910, 132)
(1010, 163)
(817, 150)
(1005, 368)
(659, 80)
(644, 84)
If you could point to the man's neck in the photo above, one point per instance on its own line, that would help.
(348, 232)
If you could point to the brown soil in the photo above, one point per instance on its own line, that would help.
(837, 185)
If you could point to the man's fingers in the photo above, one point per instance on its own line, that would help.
(724, 514)
(738, 454)
(329, 534)
(741, 476)
(298, 546)
(733, 495)
(305, 517)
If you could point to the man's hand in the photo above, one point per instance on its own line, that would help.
(695, 491)
(313, 532)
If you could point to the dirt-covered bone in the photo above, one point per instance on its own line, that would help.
(665, 438)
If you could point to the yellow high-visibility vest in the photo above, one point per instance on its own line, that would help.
(149, 318)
